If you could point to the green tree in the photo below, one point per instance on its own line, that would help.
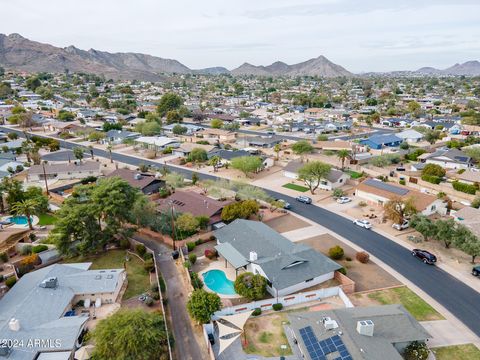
(343, 155)
(474, 153)
(302, 148)
(416, 351)
(33, 83)
(413, 107)
(26, 208)
(201, 305)
(187, 223)
(467, 241)
(240, 210)
(173, 116)
(433, 170)
(148, 128)
(215, 161)
(64, 115)
(446, 231)
(179, 130)
(277, 148)
(96, 136)
(216, 123)
(198, 155)
(250, 286)
(247, 164)
(313, 173)
(432, 136)
(424, 226)
(78, 153)
(131, 334)
(397, 209)
(169, 101)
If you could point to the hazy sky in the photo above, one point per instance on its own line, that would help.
(360, 35)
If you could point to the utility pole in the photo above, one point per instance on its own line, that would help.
(45, 178)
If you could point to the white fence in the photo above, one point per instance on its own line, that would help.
(286, 301)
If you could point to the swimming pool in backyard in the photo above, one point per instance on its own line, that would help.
(19, 220)
(217, 281)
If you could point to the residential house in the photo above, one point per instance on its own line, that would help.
(68, 171)
(157, 143)
(12, 145)
(146, 183)
(191, 128)
(186, 148)
(356, 333)
(378, 192)
(315, 113)
(448, 158)
(469, 217)
(119, 136)
(380, 141)
(228, 155)
(410, 136)
(217, 136)
(62, 126)
(195, 204)
(334, 179)
(262, 141)
(37, 311)
(288, 267)
(470, 176)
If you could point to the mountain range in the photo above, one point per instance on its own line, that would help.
(21, 54)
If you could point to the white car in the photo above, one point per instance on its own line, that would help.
(401, 226)
(363, 223)
(343, 200)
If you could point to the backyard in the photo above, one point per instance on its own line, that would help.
(418, 308)
(46, 219)
(457, 352)
(138, 278)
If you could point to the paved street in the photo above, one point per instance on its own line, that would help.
(459, 299)
(186, 347)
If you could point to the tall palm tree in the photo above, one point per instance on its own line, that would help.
(277, 149)
(110, 148)
(27, 208)
(343, 154)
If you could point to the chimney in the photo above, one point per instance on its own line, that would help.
(14, 324)
(365, 327)
(253, 256)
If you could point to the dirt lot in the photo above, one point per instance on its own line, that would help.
(286, 223)
(366, 276)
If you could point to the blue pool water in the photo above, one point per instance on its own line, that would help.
(217, 281)
(19, 220)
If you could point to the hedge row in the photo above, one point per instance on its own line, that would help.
(431, 179)
(466, 188)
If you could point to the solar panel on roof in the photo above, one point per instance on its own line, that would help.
(387, 187)
(319, 349)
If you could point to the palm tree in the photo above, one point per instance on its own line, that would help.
(215, 161)
(110, 148)
(343, 154)
(90, 147)
(27, 208)
(277, 149)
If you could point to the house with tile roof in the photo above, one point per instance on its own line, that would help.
(288, 267)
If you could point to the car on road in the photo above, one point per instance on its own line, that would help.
(285, 205)
(424, 255)
(211, 339)
(404, 225)
(476, 270)
(304, 199)
(363, 223)
(343, 200)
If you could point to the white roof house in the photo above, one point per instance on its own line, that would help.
(158, 142)
(410, 135)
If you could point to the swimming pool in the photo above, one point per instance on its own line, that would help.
(19, 220)
(217, 281)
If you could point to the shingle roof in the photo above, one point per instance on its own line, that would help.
(130, 176)
(384, 139)
(274, 253)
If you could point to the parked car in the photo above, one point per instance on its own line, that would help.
(211, 339)
(304, 199)
(363, 223)
(424, 255)
(286, 205)
(401, 226)
(476, 270)
(343, 200)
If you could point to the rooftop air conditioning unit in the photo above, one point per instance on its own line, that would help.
(14, 324)
(137, 176)
(253, 256)
(49, 283)
(365, 327)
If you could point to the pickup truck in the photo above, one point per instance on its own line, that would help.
(401, 226)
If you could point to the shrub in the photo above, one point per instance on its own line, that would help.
(26, 250)
(363, 257)
(1, 278)
(192, 258)
(4, 257)
(198, 242)
(402, 182)
(348, 258)
(147, 256)
(190, 246)
(362, 204)
(251, 286)
(277, 306)
(338, 193)
(434, 170)
(154, 288)
(209, 254)
(212, 238)
(124, 244)
(156, 296)
(163, 286)
(39, 248)
(203, 221)
(465, 188)
(10, 282)
(187, 264)
(336, 252)
(149, 266)
(342, 271)
(416, 351)
(140, 249)
(431, 179)
(257, 312)
(475, 204)
(149, 301)
(197, 283)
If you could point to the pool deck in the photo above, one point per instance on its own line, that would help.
(35, 221)
(229, 273)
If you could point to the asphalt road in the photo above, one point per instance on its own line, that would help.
(460, 299)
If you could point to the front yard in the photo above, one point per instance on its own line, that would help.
(138, 278)
(418, 308)
(295, 187)
(457, 352)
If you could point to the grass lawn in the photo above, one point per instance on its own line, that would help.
(419, 309)
(265, 335)
(354, 174)
(138, 278)
(46, 219)
(457, 352)
(295, 187)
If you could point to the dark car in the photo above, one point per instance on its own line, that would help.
(285, 204)
(425, 256)
(476, 270)
(304, 199)
(211, 339)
